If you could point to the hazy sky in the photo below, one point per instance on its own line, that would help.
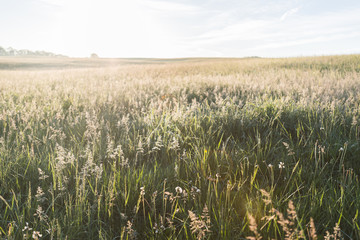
(182, 28)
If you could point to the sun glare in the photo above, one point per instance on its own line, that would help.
(178, 28)
(100, 26)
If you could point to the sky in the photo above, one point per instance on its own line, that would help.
(182, 28)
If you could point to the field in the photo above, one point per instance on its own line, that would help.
(180, 149)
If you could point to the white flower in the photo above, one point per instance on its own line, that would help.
(178, 190)
(281, 165)
(27, 228)
(142, 191)
(36, 235)
(270, 165)
(195, 189)
(341, 149)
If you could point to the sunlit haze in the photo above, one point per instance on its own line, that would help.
(182, 28)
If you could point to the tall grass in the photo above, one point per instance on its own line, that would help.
(257, 148)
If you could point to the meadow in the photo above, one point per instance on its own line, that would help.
(180, 149)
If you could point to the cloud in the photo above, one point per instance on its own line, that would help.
(248, 29)
(306, 40)
(289, 13)
(262, 34)
(271, 29)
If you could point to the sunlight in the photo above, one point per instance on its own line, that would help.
(179, 28)
(101, 26)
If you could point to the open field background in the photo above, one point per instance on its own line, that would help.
(188, 148)
(43, 63)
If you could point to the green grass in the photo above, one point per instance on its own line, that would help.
(180, 149)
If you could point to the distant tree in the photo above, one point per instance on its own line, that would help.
(10, 51)
(2, 52)
(24, 52)
(94, 55)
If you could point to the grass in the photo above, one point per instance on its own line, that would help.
(197, 149)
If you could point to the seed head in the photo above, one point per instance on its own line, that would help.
(281, 165)
(142, 191)
(178, 190)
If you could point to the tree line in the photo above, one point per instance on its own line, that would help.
(25, 52)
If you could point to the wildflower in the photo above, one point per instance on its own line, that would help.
(27, 228)
(154, 194)
(167, 195)
(142, 191)
(156, 228)
(341, 149)
(322, 128)
(42, 175)
(36, 235)
(281, 165)
(195, 189)
(270, 165)
(178, 190)
(184, 193)
(217, 175)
